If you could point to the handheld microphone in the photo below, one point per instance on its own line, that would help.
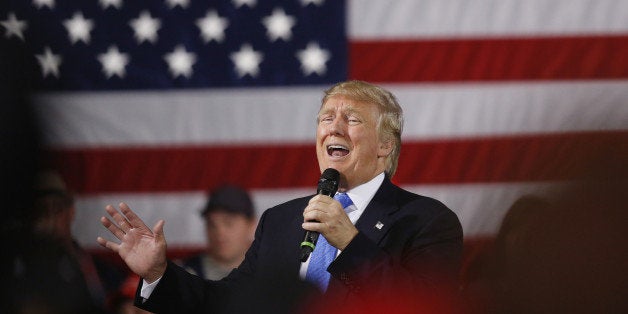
(327, 185)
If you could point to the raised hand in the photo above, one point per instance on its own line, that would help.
(142, 249)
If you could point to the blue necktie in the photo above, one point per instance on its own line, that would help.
(324, 253)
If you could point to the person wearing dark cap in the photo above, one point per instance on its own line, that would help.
(55, 272)
(229, 227)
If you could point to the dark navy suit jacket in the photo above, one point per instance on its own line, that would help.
(406, 242)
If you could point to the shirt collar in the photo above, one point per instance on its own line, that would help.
(362, 194)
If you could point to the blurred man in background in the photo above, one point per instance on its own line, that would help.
(230, 223)
(562, 250)
(51, 218)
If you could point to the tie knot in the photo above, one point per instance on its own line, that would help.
(345, 201)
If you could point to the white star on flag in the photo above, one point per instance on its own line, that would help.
(247, 60)
(78, 28)
(313, 59)
(49, 63)
(278, 25)
(13, 26)
(110, 3)
(180, 62)
(44, 3)
(182, 3)
(212, 26)
(240, 3)
(314, 2)
(145, 27)
(113, 62)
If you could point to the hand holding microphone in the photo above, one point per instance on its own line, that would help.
(327, 185)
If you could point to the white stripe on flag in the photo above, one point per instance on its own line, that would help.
(376, 19)
(480, 208)
(265, 116)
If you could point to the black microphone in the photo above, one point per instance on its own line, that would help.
(327, 185)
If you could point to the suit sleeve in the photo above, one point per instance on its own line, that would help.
(181, 292)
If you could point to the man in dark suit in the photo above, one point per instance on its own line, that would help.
(384, 240)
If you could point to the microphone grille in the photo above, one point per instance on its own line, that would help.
(330, 174)
(328, 183)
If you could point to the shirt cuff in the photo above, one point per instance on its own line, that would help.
(147, 288)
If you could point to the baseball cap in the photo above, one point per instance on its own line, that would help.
(229, 198)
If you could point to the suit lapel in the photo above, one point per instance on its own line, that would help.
(374, 224)
(375, 221)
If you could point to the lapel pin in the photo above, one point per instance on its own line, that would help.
(379, 225)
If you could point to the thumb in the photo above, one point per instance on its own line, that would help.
(158, 229)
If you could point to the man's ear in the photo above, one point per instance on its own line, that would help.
(385, 148)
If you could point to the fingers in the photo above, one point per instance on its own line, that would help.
(120, 223)
(115, 230)
(108, 244)
(321, 207)
(119, 219)
(134, 220)
(321, 212)
(118, 232)
(313, 214)
(322, 199)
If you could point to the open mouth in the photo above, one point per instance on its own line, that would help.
(337, 150)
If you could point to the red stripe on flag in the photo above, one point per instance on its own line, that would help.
(498, 59)
(171, 169)
(511, 159)
(496, 159)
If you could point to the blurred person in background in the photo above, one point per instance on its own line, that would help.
(69, 268)
(39, 274)
(52, 217)
(562, 250)
(570, 258)
(230, 223)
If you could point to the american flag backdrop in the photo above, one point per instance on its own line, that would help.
(154, 102)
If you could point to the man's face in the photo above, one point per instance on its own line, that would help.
(347, 140)
(229, 235)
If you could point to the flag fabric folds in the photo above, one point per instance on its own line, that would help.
(155, 102)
